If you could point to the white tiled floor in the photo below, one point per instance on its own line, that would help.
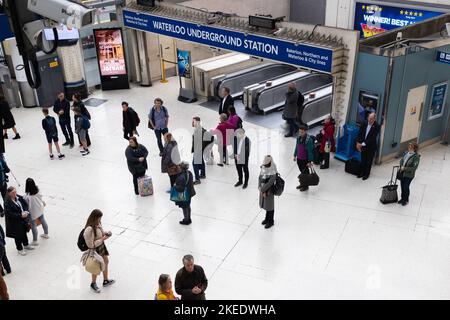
(336, 241)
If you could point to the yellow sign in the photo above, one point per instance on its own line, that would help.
(54, 64)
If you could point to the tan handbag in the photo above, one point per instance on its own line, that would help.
(93, 266)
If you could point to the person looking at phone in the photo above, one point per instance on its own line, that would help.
(190, 281)
(95, 238)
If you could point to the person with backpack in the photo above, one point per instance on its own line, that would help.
(4, 169)
(82, 125)
(51, 133)
(267, 179)
(185, 184)
(94, 244)
(327, 145)
(200, 141)
(62, 108)
(130, 121)
(78, 103)
(17, 220)
(290, 111)
(242, 146)
(36, 208)
(304, 153)
(158, 120)
(136, 155)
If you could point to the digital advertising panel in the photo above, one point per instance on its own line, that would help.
(184, 63)
(372, 19)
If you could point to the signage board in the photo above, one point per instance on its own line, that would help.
(184, 63)
(302, 55)
(437, 100)
(443, 57)
(372, 19)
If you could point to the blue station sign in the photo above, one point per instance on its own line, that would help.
(302, 55)
(443, 57)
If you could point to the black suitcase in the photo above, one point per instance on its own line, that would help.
(353, 166)
(389, 193)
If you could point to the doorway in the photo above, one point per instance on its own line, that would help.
(413, 116)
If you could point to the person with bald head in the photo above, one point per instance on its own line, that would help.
(291, 109)
(367, 143)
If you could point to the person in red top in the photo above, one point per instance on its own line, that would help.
(223, 132)
(328, 143)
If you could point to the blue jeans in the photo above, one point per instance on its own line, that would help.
(199, 169)
(159, 134)
(405, 183)
(34, 229)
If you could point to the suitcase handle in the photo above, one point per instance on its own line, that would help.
(392, 182)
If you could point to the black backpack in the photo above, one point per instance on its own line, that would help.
(278, 186)
(240, 123)
(82, 242)
(137, 120)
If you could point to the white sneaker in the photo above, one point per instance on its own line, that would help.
(45, 236)
(22, 252)
(29, 248)
(34, 244)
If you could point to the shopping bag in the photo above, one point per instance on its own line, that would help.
(389, 192)
(93, 266)
(145, 186)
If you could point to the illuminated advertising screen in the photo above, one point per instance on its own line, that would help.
(372, 19)
(184, 63)
(110, 52)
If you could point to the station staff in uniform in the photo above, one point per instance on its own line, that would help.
(367, 144)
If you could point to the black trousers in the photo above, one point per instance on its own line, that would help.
(242, 169)
(3, 189)
(187, 213)
(404, 184)
(325, 158)
(269, 216)
(4, 259)
(223, 153)
(302, 166)
(128, 133)
(367, 156)
(21, 241)
(66, 130)
(136, 176)
(159, 133)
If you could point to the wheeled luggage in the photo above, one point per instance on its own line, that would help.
(353, 166)
(389, 191)
(145, 186)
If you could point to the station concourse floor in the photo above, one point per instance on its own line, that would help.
(336, 241)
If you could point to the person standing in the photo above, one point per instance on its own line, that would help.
(4, 169)
(366, 143)
(226, 102)
(233, 119)
(170, 158)
(242, 146)
(130, 121)
(291, 109)
(62, 108)
(266, 181)
(4, 262)
(136, 155)
(158, 120)
(223, 130)
(17, 220)
(408, 166)
(303, 153)
(165, 291)
(327, 144)
(8, 119)
(81, 128)
(95, 238)
(78, 103)
(201, 139)
(190, 281)
(184, 182)
(36, 208)
(51, 133)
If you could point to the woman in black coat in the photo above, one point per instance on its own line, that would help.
(136, 160)
(17, 220)
(185, 180)
(7, 119)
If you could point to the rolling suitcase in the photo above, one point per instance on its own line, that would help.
(145, 186)
(353, 166)
(389, 191)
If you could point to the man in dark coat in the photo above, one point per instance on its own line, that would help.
(136, 155)
(226, 102)
(242, 146)
(190, 281)
(367, 144)
(130, 121)
(290, 110)
(201, 139)
(185, 180)
(62, 109)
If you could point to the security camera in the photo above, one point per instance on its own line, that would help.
(70, 13)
